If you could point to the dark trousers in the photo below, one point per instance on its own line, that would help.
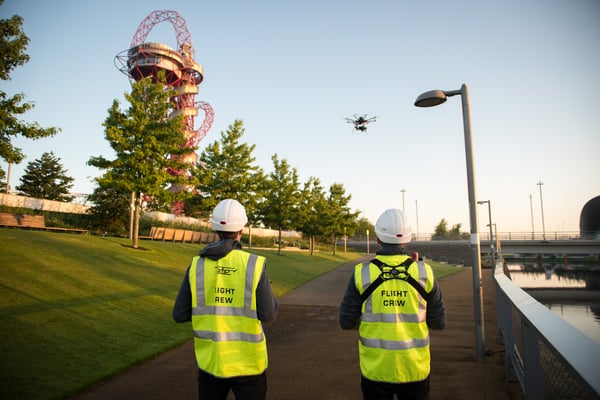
(385, 391)
(252, 387)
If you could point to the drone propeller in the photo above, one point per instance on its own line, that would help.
(360, 122)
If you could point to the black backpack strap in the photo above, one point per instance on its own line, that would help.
(379, 280)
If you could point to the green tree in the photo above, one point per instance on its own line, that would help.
(337, 216)
(442, 233)
(13, 43)
(455, 233)
(362, 225)
(441, 230)
(226, 170)
(147, 145)
(280, 207)
(45, 178)
(110, 210)
(312, 205)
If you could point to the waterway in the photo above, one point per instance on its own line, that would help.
(570, 290)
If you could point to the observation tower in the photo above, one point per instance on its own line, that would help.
(183, 74)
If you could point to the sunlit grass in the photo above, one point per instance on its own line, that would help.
(76, 309)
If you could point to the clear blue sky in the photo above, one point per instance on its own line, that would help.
(293, 71)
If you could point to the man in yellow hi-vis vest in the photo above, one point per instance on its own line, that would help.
(393, 301)
(227, 296)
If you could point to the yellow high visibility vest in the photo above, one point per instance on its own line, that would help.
(228, 337)
(393, 333)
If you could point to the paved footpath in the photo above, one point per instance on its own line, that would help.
(312, 358)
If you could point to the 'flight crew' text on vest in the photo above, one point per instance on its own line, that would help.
(228, 337)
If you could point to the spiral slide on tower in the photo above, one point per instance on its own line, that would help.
(182, 74)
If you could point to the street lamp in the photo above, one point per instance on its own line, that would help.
(434, 98)
(403, 191)
(532, 227)
(542, 207)
(417, 207)
(8, 178)
(492, 252)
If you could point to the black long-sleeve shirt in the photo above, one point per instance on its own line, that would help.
(266, 303)
(350, 309)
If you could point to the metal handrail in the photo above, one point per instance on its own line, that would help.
(536, 340)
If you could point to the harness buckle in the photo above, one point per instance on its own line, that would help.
(393, 272)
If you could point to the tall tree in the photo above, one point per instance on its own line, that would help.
(442, 233)
(362, 225)
(441, 230)
(455, 233)
(225, 170)
(280, 207)
(46, 178)
(312, 205)
(13, 43)
(337, 216)
(147, 145)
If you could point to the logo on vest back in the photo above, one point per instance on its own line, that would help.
(223, 270)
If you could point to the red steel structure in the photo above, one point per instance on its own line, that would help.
(182, 74)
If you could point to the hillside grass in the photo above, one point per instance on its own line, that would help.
(77, 309)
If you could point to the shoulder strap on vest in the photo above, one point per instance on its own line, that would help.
(379, 280)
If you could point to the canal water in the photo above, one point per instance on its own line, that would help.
(570, 290)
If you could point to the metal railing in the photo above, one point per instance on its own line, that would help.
(549, 357)
(554, 235)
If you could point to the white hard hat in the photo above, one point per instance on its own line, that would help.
(228, 216)
(393, 227)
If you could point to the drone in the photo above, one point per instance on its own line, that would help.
(360, 122)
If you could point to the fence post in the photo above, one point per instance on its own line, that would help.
(531, 361)
(506, 334)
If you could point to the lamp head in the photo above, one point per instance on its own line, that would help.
(431, 98)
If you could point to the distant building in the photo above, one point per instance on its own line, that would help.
(589, 222)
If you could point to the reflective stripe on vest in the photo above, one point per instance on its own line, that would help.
(393, 333)
(395, 344)
(228, 337)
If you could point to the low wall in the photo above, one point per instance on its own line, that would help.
(181, 235)
(12, 200)
(259, 232)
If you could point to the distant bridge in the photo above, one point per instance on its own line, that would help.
(459, 251)
(546, 246)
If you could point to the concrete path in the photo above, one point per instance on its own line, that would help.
(312, 358)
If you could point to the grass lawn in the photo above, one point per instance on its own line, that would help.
(76, 309)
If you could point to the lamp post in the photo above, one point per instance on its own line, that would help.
(542, 207)
(403, 191)
(492, 251)
(434, 98)
(417, 207)
(8, 178)
(531, 207)
(497, 244)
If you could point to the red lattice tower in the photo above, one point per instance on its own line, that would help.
(182, 74)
